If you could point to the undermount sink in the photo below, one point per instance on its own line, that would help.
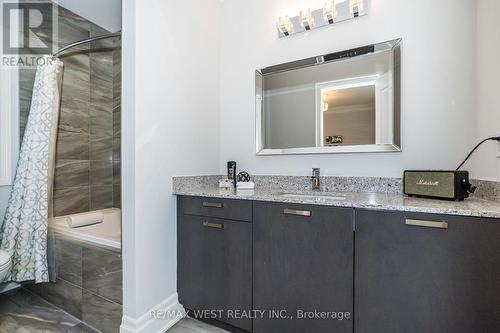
(313, 196)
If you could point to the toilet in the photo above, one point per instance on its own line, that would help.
(5, 264)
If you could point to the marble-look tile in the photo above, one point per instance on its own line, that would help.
(72, 146)
(117, 196)
(101, 122)
(117, 173)
(101, 65)
(102, 273)
(23, 118)
(62, 294)
(189, 325)
(76, 79)
(101, 95)
(103, 44)
(71, 200)
(71, 28)
(117, 148)
(117, 76)
(100, 313)
(26, 81)
(71, 173)
(101, 197)
(22, 130)
(68, 261)
(74, 117)
(101, 148)
(77, 66)
(117, 121)
(101, 173)
(25, 106)
(24, 312)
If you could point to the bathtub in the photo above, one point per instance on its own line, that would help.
(107, 233)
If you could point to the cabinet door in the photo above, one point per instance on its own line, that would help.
(303, 261)
(215, 267)
(418, 276)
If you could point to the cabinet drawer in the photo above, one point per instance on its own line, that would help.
(240, 210)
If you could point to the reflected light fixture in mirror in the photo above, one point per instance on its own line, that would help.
(306, 19)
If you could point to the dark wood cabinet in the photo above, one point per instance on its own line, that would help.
(426, 273)
(303, 261)
(299, 268)
(215, 266)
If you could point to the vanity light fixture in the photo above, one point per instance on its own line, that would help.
(285, 26)
(306, 19)
(330, 12)
(357, 7)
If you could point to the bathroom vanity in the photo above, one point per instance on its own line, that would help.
(385, 262)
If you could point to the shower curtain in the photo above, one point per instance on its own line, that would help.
(24, 229)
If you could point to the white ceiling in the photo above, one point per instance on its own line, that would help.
(351, 96)
(105, 13)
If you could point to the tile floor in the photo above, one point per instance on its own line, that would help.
(189, 325)
(23, 312)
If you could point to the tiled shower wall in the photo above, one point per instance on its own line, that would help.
(88, 157)
(88, 284)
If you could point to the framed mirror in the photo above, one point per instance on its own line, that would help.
(343, 102)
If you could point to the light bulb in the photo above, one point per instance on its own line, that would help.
(285, 26)
(325, 106)
(306, 19)
(357, 7)
(330, 12)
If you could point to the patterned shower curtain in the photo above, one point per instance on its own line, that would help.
(24, 229)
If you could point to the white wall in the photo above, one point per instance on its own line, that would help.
(105, 13)
(486, 164)
(170, 128)
(439, 71)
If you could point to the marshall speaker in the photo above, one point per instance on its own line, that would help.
(447, 185)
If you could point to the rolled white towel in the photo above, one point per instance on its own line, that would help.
(85, 219)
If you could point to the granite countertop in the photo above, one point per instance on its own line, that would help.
(382, 201)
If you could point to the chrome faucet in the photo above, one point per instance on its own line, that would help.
(315, 179)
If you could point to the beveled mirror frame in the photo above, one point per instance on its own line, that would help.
(396, 146)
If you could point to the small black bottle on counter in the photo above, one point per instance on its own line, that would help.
(231, 171)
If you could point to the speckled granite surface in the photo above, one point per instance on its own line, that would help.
(301, 183)
(476, 207)
(487, 190)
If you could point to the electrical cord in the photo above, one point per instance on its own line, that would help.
(494, 138)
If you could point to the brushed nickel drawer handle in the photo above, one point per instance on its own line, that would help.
(213, 205)
(427, 224)
(305, 213)
(213, 225)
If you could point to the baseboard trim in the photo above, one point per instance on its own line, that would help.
(157, 320)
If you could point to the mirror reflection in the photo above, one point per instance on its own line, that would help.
(342, 102)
